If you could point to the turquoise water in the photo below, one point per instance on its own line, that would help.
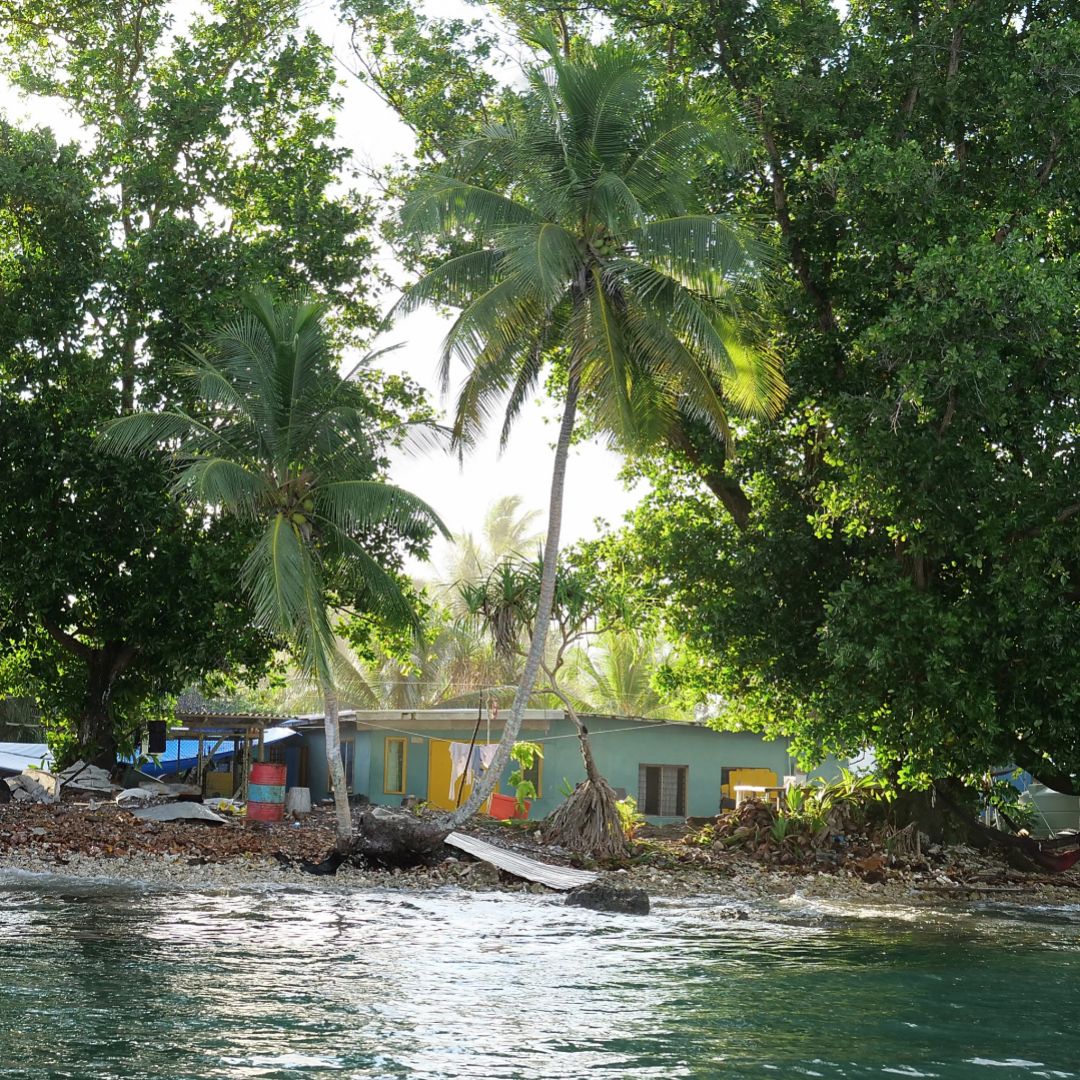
(101, 981)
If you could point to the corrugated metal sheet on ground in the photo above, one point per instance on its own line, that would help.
(554, 877)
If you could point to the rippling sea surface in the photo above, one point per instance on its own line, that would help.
(102, 981)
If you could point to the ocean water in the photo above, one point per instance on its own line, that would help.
(102, 981)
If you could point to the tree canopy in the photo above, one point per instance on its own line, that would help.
(905, 572)
(208, 162)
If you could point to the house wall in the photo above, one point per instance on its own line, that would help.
(619, 746)
(317, 778)
(619, 752)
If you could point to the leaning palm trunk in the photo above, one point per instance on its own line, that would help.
(588, 821)
(545, 603)
(337, 771)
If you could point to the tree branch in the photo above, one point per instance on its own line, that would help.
(1041, 179)
(66, 640)
(726, 488)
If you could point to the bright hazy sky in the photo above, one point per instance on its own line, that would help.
(461, 494)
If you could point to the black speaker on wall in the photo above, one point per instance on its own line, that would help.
(155, 730)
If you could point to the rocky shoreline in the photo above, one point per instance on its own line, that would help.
(101, 843)
(746, 883)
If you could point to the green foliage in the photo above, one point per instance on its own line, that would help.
(583, 237)
(629, 817)
(208, 161)
(524, 756)
(810, 816)
(895, 563)
(279, 440)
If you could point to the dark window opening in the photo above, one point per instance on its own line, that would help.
(662, 790)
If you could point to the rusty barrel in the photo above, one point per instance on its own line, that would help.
(266, 792)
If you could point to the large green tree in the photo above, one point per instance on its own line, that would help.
(208, 161)
(906, 571)
(282, 443)
(586, 247)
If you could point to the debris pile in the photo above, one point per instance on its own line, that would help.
(83, 777)
(67, 829)
(32, 786)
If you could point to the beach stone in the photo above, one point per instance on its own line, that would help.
(598, 896)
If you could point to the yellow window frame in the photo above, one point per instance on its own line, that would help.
(404, 765)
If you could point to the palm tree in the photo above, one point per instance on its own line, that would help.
(281, 440)
(507, 530)
(584, 247)
(615, 675)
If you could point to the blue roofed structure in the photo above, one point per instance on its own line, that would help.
(182, 754)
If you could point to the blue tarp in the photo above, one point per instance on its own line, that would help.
(183, 754)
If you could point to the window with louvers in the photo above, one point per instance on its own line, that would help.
(662, 790)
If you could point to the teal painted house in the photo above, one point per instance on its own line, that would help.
(673, 769)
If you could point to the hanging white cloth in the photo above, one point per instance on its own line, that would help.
(486, 755)
(472, 762)
(459, 765)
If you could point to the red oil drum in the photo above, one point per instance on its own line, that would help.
(266, 792)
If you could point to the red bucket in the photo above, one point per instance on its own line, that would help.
(505, 806)
(266, 792)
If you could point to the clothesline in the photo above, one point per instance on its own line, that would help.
(541, 739)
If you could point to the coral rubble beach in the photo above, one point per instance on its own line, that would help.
(99, 840)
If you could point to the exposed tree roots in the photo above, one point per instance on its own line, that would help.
(588, 822)
(397, 840)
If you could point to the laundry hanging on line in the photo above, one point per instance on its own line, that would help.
(472, 761)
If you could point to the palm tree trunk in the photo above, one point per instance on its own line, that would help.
(336, 770)
(546, 600)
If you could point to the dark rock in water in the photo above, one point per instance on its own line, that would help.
(601, 897)
(397, 840)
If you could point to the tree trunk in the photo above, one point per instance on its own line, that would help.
(95, 726)
(491, 776)
(589, 820)
(1047, 774)
(591, 771)
(336, 770)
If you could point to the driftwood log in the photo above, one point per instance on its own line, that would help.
(396, 839)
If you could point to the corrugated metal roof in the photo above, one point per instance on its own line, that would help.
(554, 877)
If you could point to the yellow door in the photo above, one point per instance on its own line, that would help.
(749, 777)
(439, 794)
